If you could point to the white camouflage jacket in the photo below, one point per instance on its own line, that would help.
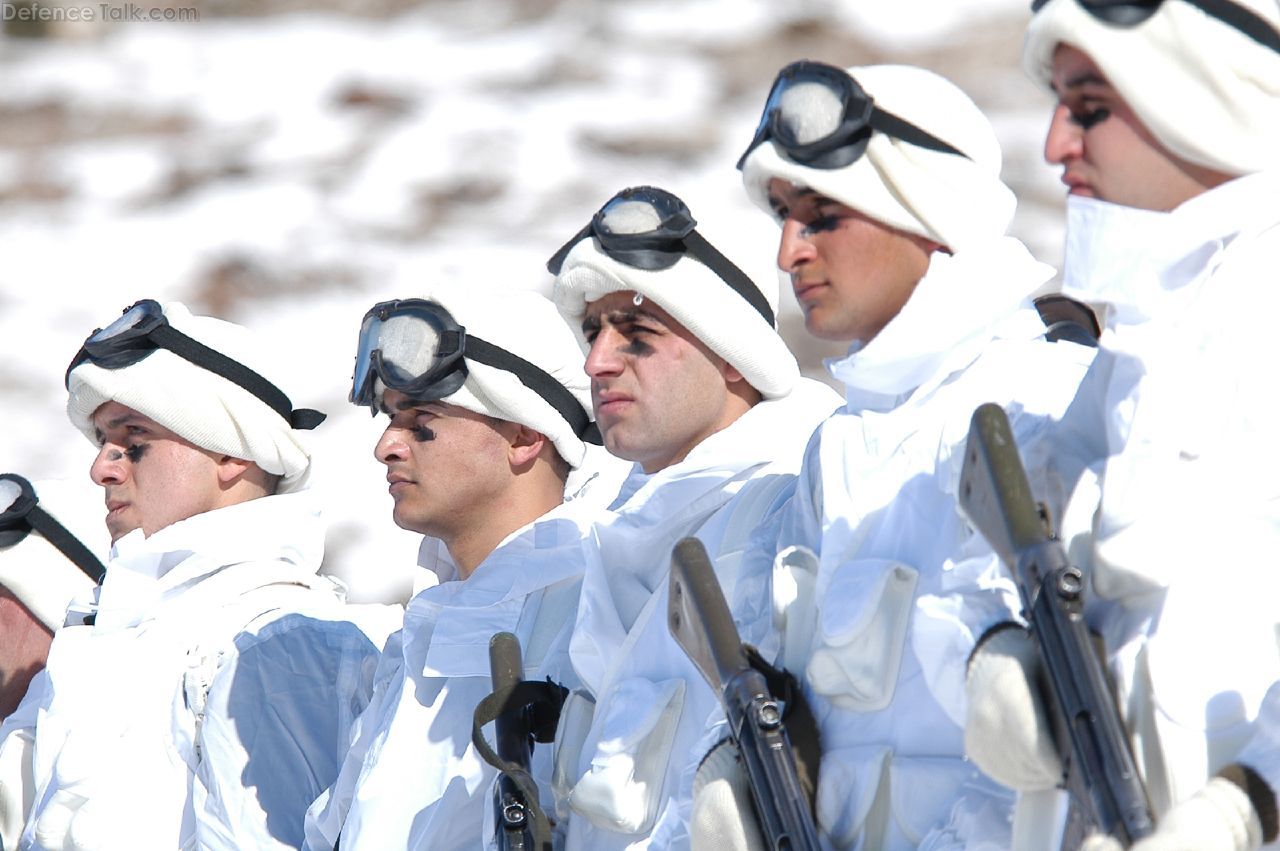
(624, 740)
(1168, 454)
(882, 626)
(411, 777)
(205, 704)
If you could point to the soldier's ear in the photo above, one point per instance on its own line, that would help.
(524, 445)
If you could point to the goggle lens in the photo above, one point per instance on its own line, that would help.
(10, 493)
(628, 217)
(408, 345)
(131, 319)
(809, 110)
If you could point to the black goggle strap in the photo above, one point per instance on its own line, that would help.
(556, 262)
(900, 128)
(1245, 20)
(68, 544)
(879, 120)
(737, 280)
(202, 356)
(537, 380)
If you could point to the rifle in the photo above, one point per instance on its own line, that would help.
(702, 625)
(522, 713)
(1100, 774)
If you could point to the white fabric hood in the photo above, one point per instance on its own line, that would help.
(1207, 91)
(255, 543)
(949, 319)
(1131, 262)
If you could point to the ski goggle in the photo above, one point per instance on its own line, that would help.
(822, 118)
(1129, 13)
(649, 228)
(416, 347)
(21, 514)
(143, 329)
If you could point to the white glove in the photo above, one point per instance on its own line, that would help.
(723, 818)
(1219, 817)
(1007, 731)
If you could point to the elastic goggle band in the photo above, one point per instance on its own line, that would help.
(24, 515)
(1129, 13)
(143, 329)
(449, 369)
(846, 140)
(663, 246)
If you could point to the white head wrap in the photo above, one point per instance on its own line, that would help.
(1209, 93)
(525, 324)
(695, 296)
(953, 200)
(198, 405)
(35, 571)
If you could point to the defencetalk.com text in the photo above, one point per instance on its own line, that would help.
(121, 13)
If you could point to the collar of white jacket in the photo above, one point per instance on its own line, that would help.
(146, 571)
(1130, 262)
(949, 318)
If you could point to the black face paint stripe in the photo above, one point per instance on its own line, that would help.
(136, 451)
(821, 224)
(1093, 118)
(638, 347)
(423, 434)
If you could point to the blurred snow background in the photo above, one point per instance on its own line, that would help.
(286, 164)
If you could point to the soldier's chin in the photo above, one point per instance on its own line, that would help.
(617, 443)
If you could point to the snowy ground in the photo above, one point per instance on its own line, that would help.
(287, 169)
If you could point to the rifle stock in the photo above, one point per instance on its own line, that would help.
(1100, 773)
(702, 625)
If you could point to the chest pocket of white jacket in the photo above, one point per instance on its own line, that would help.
(867, 798)
(622, 788)
(862, 625)
(571, 734)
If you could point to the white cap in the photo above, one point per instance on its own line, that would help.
(526, 324)
(210, 411)
(697, 298)
(35, 571)
(955, 201)
(1208, 92)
